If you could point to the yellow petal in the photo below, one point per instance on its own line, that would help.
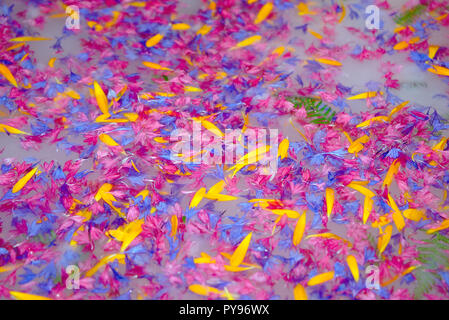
(321, 278)
(7, 74)
(275, 223)
(140, 4)
(154, 40)
(330, 198)
(174, 225)
(10, 267)
(315, 34)
(443, 225)
(217, 188)
(106, 139)
(343, 13)
(108, 198)
(72, 94)
(219, 197)
(15, 46)
(115, 15)
(442, 71)
(397, 215)
(365, 191)
(146, 96)
(24, 39)
(348, 137)
(432, 51)
(398, 220)
(248, 41)
(254, 154)
(197, 197)
(357, 145)
(299, 131)
(212, 128)
(304, 9)
(27, 296)
(384, 239)
(414, 214)
(12, 130)
(401, 45)
(363, 139)
(392, 203)
(290, 213)
(278, 51)
(180, 26)
(394, 168)
(249, 158)
(155, 66)
(367, 208)
(105, 260)
(399, 29)
(164, 94)
(135, 228)
(352, 264)
(24, 57)
(264, 12)
(414, 40)
(239, 253)
(397, 108)
(51, 62)
(299, 229)
(267, 201)
(143, 193)
(441, 17)
(381, 221)
(283, 148)
(104, 118)
(440, 145)
(204, 259)
(364, 95)
(160, 140)
(408, 270)
(237, 269)
(369, 121)
(204, 290)
(204, 30)
(102, 101)
(328, 235)
(106, 187)
(117, 234)
(328, 61)
(134, 166)
(228, 256)
(300, 292)
(192, 89)
(23, 181)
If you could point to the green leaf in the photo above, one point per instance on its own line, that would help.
(424, 282)
(316, 110)
(409, 16)
(439, 237)
(372, 240)
(435, 254)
